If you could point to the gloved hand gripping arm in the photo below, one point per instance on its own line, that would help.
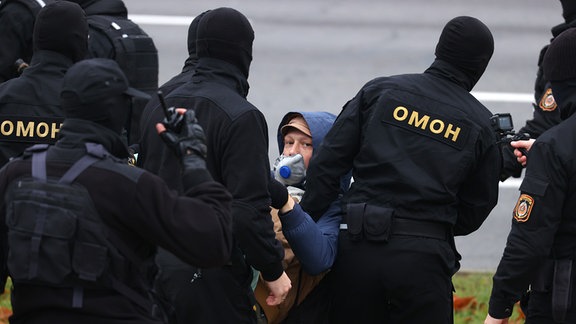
(181, 132)
(280, 198)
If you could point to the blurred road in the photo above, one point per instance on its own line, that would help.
(316, 54)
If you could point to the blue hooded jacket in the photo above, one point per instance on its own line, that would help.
(314, 243)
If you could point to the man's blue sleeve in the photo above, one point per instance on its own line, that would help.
(314, 243)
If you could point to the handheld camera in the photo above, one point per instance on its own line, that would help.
(504, 128)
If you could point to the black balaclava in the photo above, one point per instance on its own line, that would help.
(97, 90)
(568, 10)
(226, 34)
(560, 68)
(467, 44)
(192, 36)
(61, 27)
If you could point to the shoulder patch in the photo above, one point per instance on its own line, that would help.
(547, 102)
(523, 208)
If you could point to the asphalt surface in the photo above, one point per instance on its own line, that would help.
(316, 54)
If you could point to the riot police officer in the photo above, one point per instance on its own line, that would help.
(541, 245)
(236, 131)
(81, 226)
(426, 165)
(545, 110)
(30, 105)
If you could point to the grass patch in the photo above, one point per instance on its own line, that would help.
(5, 305)
(471, 298)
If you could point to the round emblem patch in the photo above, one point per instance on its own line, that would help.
(523, 208)
(547, 102)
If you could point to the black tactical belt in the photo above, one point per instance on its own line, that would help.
(411, 227)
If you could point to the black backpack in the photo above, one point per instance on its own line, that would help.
(133, 49)
(56, 237)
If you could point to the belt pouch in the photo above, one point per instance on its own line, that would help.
(378, 223)
(354, 220)
(561, 289)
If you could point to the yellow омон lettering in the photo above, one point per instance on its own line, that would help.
(55, 130)
(424, 122)
(402, 110)
(453, 132)
(3, 128)
(439, 129)
(24, 129)
(414, 121)
(42, 129)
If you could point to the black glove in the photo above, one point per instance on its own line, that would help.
(185, 137)
(278, 193)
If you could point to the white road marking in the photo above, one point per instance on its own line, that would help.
(162, 20)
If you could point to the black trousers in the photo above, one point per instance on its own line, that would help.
(406, 280)
(219, 295)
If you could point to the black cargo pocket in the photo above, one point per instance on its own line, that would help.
(378, 223)
(354, 220)
(39, 238)
(89, 260)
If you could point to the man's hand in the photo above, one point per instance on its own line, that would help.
(185, 137)
(524, 144)
(278, 288)
(491, 320)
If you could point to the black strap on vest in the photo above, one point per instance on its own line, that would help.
(95, 153)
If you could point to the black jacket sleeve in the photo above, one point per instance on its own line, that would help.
(537, 217)
(246, 149)
(479, 193)
(196, 227)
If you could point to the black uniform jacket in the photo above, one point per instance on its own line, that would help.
(30, 104)
(237, 141)
(140, 208)
(417, 143)
(543, 220)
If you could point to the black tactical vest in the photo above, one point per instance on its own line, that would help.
(57, 238)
